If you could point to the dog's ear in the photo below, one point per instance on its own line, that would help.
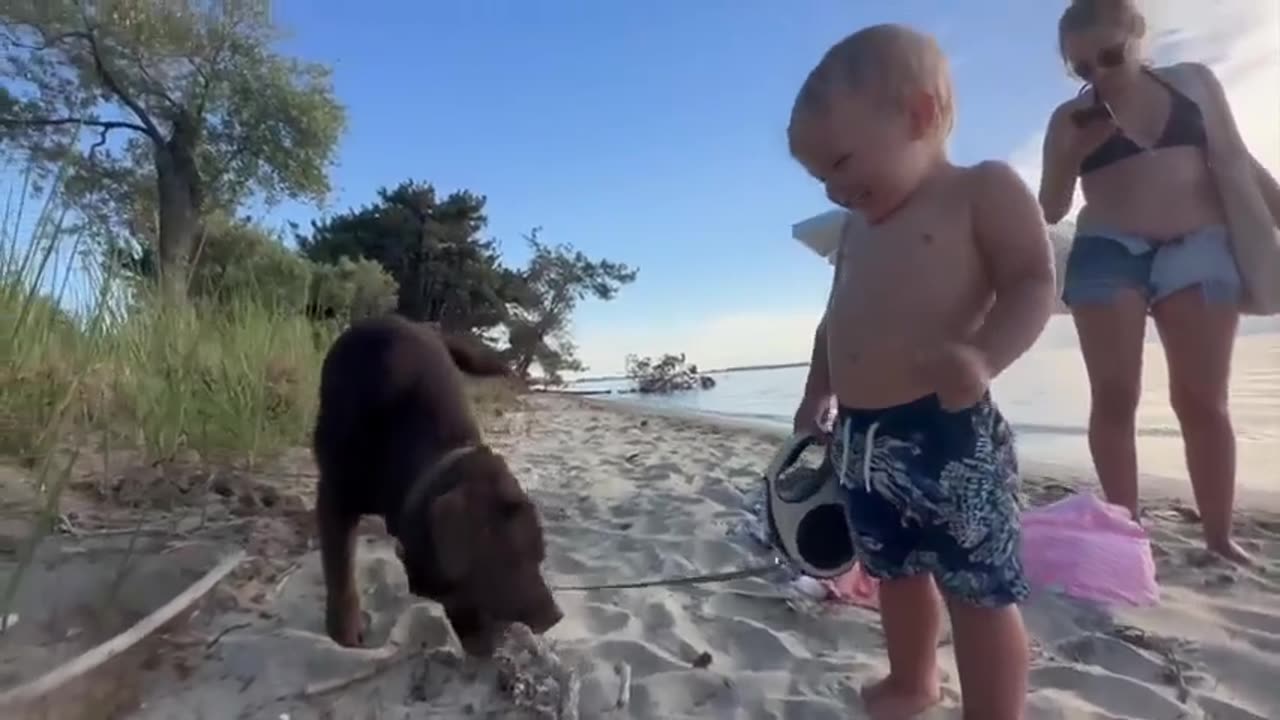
(519, 516)
(449, 524)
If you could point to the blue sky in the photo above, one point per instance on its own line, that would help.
(651, 133)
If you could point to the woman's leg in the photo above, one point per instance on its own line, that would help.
(1198, 337)
(1111, 335)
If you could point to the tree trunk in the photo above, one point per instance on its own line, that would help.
(179, 188)
(524, 361)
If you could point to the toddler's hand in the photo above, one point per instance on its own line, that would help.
(959, 375)
(811, 416)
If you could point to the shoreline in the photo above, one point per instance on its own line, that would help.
(1153, 489)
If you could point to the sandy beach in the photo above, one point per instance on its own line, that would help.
(625, 496)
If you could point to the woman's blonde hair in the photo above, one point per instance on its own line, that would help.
(1083, 15)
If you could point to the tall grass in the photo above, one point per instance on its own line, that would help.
(91, 362)
(234, 379)
(86, 365)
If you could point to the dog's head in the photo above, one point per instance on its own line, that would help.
(478, 551)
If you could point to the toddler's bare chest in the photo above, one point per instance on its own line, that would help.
(921, 268)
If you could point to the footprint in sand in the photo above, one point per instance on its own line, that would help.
(1221, 710)
(1113, 656)
(1109, 693)
(1263, 621)
(603, 620)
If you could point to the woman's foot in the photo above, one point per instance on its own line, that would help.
(889, 699)
(1230, 551)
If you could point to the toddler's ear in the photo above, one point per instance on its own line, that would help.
(922, 113)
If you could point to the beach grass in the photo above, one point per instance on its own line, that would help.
(92, 364)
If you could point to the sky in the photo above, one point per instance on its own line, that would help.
(654, 133)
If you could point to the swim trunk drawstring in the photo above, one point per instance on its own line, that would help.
(868, 444)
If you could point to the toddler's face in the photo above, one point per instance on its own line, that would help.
(861, 151)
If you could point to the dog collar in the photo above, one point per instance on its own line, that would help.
(437, 480)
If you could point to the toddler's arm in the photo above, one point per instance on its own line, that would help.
(818, 384)
(1011, 236)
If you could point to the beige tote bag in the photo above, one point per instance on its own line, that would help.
(1255, 239)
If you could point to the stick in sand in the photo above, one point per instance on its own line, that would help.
(49, 683)
(624, 684)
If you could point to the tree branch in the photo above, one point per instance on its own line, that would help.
(47, 43)
(111, 84)
(156, 89)
(104, 125)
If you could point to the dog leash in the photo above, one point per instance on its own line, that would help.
(752, 571)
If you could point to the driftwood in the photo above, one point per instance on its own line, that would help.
(90, 686)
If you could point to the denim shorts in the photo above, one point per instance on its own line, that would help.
(931, 491)
(1101, 263)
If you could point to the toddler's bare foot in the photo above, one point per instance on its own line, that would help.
(890, 699)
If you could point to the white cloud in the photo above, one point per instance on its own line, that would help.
(1239, 39)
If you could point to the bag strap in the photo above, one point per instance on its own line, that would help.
(1225, 143)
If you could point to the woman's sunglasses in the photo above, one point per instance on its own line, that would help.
(1110, 57)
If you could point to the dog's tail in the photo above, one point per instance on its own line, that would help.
(474, 357)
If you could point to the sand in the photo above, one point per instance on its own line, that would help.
(625, 496)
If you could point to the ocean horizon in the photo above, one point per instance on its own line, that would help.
(1045, 395)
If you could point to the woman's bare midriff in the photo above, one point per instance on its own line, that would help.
(1160, 195)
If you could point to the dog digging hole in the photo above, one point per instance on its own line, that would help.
(527, 673)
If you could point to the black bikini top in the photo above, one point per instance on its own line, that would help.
(1184, 127)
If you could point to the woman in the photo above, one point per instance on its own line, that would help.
(1151, 238)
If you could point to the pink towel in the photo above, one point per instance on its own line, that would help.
(1079, 546)
(855, 587)
(1091, 550)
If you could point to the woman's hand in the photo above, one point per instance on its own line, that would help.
(1066, 144)
(1086, 128)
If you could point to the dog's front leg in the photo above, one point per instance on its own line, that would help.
(337, 528)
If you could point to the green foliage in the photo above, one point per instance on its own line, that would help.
(556, 279)
(668, 374)
(350, 290)
(237, 260)
(432, 248)
(209, 115)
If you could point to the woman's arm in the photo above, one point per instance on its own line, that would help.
(1270, 190)
(1059, 170)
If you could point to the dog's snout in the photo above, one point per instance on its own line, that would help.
(547, 616)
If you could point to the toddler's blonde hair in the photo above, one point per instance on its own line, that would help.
(890, 61)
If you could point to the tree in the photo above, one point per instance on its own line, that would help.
(668, 374)
(557, 278)
(193, 112)
(446, 272)
(240, 261)
(350, 290)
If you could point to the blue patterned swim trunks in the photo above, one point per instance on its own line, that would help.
(934, 491)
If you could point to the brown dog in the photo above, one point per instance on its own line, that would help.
(394, 437)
